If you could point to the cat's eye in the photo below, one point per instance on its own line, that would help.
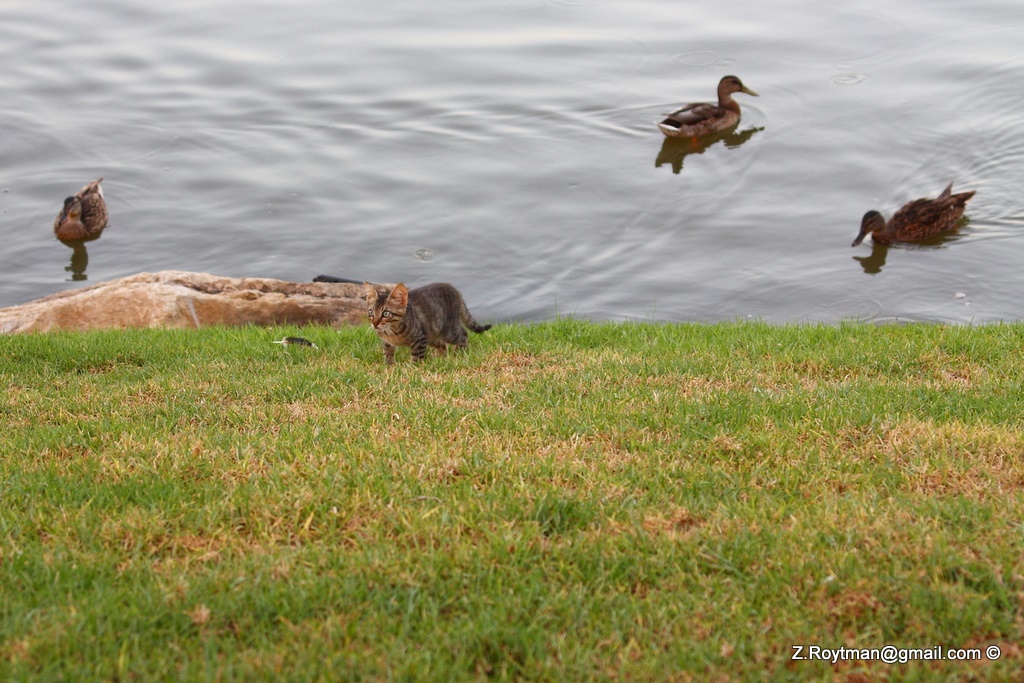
(386, 314)
(369, 312)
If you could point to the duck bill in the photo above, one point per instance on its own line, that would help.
(860, 238)
(65, 213)
(65, 216)
(749, 91)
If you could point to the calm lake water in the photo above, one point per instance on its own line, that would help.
(509, 148)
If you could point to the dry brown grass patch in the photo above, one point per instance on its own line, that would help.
(677, 523)
(951, 458)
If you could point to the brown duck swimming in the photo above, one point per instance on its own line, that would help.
(917, 220)
(83, 215)
(701, 118)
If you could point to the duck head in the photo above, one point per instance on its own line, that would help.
(72, 210)
(872, 222)
(730, 84)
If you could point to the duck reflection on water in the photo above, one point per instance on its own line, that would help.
(874, 263)
(79, 258)
(675, 150)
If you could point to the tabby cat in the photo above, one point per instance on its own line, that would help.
(432, 315)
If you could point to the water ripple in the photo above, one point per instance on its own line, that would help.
(707, 58)
(849, 78)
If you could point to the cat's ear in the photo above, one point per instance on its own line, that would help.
(399, 295)
(371, 293)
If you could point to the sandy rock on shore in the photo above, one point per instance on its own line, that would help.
(179, 299)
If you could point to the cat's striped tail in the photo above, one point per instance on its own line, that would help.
(469, 321)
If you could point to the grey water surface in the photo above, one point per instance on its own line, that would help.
(509, 148)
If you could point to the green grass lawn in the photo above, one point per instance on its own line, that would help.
(564, 501)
